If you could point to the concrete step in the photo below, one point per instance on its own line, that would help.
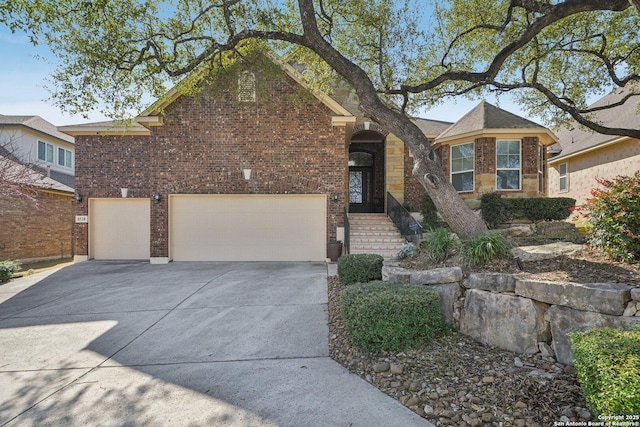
(356, 240)
(374, 234)
(383, 228)
(388, 255)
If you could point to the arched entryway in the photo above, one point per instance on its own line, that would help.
(367, 172)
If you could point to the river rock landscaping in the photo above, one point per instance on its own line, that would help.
(457, 381)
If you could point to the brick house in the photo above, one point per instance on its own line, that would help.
(36, 198)
(255, 166)
(581, 155)
(492, 150)
(35, 222)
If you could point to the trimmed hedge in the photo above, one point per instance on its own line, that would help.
(608, 365)
(360, 268)
(496, 210)
(390, 316)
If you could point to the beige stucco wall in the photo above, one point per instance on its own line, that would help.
(622, 158)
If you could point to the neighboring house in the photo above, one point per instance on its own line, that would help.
(34, 141)
(582, 155)
(35, 214)
(492, 150)
(258, 166)
(36, 200)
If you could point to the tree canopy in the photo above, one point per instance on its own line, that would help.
(551, 55)
(400, 56)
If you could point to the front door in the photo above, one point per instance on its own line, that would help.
(360, 189)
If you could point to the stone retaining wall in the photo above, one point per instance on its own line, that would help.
(525, 316)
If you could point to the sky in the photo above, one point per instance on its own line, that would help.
(25, 69)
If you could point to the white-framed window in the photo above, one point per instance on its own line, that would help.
(65, 157)
(563, 177)
(462, 166)
(508, 165)
(247, 87)
(45, 152)
(541, 153)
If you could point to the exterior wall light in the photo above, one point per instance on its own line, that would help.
(124, 192)
(335, 197)
(246, 173)
(77, 197)
(157, 197)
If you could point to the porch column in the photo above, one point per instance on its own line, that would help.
(394, 167)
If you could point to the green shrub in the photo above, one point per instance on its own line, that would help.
(389, 316)
(496, 210)
(483, 247)
(430, 219)
(439, 244)
(614, 217)
(608, 366)
(7, 268)
(359, 268)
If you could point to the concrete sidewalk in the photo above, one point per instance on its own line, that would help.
(188, 344)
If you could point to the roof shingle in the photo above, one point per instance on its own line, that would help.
(36, 123)
(576, 138)
(486, 116)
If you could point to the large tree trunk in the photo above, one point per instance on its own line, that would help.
(428, 168)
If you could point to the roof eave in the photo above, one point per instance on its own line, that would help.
(174, 93)
(40, 132)
(80, 130)
(561, 158)
(546, 136)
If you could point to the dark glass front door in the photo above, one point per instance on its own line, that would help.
(360, 189)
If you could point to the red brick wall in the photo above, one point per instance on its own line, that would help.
(485, 163)
(285, 138)
(485, 156)
(29, 230)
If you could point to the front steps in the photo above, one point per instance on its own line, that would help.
(374, 234)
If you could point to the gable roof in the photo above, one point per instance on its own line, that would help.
(36, 123)
(19, 174)
(152, 116)
(577, 139)
(332, 104)
(432, 128)
(487, 117)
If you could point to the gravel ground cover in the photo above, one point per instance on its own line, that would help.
(459, 382)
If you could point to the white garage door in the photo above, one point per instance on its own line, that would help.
(119, 228)
(248, 227)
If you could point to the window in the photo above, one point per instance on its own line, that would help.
(508, 163)
(541, 152)
(360, 158)
(247, 87)
(462, 161)
(563, 172)
(64, 157)
(45, 152)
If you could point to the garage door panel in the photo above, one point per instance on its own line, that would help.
(248, 227)
(119, 228)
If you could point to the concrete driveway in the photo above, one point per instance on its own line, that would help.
(183, 344)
